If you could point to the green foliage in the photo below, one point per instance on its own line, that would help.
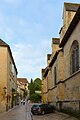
(34, 85)
(35, 97)
(31, 87)
(37, 84)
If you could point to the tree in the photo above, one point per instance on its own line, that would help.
(35, 97)
(37, 84)
(31, 87)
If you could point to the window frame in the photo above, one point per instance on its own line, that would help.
(74, 57)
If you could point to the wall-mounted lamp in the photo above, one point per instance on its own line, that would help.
(5, 90)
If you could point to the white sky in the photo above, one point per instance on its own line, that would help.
(28, 26)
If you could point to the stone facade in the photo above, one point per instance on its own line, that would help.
(69, 11)
(22, 86)
(8, 78)
(63, 72)
(44, 87)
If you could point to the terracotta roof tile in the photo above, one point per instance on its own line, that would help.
(23, 80)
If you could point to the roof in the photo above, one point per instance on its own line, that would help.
(54, 58)
(22, 80)
(71, 6)
(46, 71)
(4, 44)
(51, 63)
(71, 28)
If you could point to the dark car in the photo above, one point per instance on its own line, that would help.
(42, 109)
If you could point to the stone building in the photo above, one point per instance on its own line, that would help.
(44, 89)
(62, 76)
(22, 86)
(8, 78)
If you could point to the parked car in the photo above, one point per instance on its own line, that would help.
(42, 109)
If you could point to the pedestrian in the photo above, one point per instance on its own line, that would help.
(21, 101)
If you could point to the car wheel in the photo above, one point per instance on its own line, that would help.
(43, 112)
(33, 113)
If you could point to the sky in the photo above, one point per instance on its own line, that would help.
(28, 27)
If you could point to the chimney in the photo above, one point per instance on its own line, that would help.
(48, 58)
(43, 71)
(55, 45)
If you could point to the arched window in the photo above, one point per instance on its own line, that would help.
(74, 57)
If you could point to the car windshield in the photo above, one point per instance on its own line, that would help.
(36, 105)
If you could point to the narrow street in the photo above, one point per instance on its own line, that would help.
(53, 116)
(22, 112)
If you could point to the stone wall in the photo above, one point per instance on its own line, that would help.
(74, 36)
(3, 77)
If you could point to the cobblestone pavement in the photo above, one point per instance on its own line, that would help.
(53, 116)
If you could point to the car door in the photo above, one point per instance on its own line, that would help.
(48, 108)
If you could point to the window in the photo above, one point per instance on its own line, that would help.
(74, 57)
(13, 69)
(55, 76)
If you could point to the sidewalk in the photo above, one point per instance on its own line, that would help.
(21, 112)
